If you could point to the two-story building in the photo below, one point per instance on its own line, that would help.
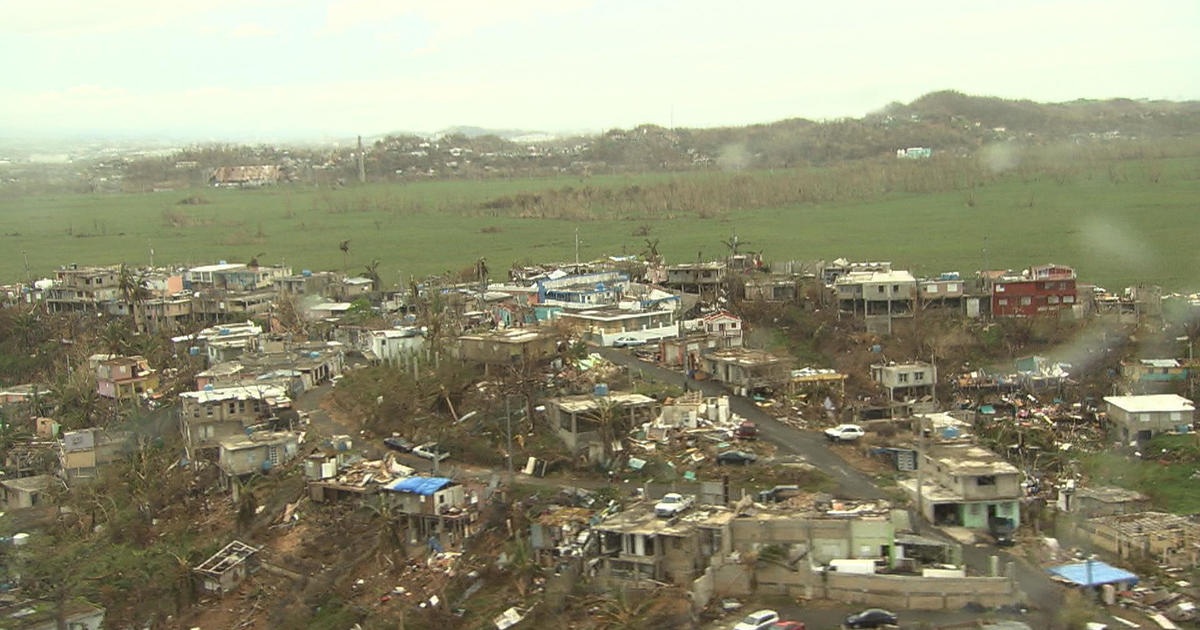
(604, 288)
(125, 378)
(907, 382)
(703, 277)
(1037, 291)
(877, 297)
(1144, 416)
(83, 453)
(83, 288)
(209, 416)
(965, 485)
(725, 327)
(434, 508)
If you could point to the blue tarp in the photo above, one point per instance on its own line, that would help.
(424, 486)
(1099, 573)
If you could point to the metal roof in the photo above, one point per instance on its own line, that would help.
(1151, 403)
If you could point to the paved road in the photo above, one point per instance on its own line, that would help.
(1040, 591)
(810, 445)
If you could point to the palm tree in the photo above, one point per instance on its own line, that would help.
(345, 247)
(372, 271)
(132, 285)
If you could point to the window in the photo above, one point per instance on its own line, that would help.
(952, 287)
(918, 376)
(241, 406)
(895, 288)
(1175, 415)
(1053, 299)
(1003, 302)
(881, 288)
(208, 410)
(1026, 301)
(985, 480)
(999, 288)
(1068, 299)
(232, 407)
(902, 377)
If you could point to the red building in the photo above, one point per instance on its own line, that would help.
(1041, 290)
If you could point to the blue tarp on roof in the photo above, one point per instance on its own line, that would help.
(1099, 573)
(424, 486)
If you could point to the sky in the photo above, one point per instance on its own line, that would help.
(270, 69)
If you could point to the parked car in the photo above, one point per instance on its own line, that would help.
(778, 493)
(672, 504)
(746, 430)
(758, 620)
(1001, 530)
(430, 451)
(871, 618)
(628, 341)
(788, 625)
(397, 443)
(844, 433)
(736, 457)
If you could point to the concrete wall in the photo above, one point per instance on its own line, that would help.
(890, 591)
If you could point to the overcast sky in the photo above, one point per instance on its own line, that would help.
(237, 69)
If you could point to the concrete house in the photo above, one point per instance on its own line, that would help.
(208, 416)
(1090, 501)
(877, 297)
(965, 485)
(434, 508)
(224, 570)
(1037, 291)
(636, 546)
(725, 327)
(604, 325)
(747, 370)
(84, 452)
(702, 277)
(1170, 539)
(24, 492)
(257, 452)
(906, 381)
(82, 288)
(580, 420)
(513, 346)
(393, 345)
(125, 378)
(1154, 376)
(1142, 417)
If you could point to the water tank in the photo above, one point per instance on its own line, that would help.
(208, 388)
(305, 272)
(222, 262)
(601, 389)
(194, 350)
(314, 354)
(223, 331)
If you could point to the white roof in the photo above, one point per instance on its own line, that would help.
(1160, 363)
(1151, 403)
(237, 393)
(217, 267)
(860, 277)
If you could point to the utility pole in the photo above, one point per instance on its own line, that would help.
(508, 434)
(362, 165)
(576, 246)
(29, 278)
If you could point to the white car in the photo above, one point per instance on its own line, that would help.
(672, 504)
(758, 620)
(628, 341)
(430, 451)
(845, 433)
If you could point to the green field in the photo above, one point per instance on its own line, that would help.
(1116, 230)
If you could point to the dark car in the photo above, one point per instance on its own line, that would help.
(398, 444)
(746, 430)
(736, 457)
(871, 618)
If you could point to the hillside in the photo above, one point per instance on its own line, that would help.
(950, 123)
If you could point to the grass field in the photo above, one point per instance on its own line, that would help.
(1116, 230)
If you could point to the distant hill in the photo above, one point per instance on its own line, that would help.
(949, 123)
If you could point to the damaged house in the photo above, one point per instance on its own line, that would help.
(747, 370)
(593, 426)
(964, 485)
(436, 510)
(907, 382)
(257, 452)
(208, 416)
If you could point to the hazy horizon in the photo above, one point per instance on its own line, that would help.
(263, 70)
